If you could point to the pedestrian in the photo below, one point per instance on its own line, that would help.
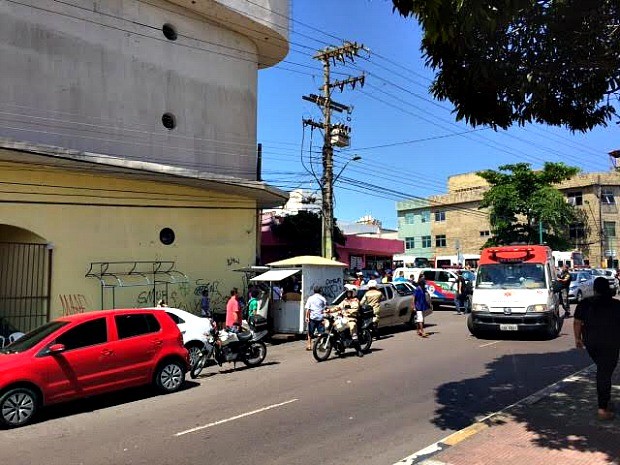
(373, 297)
(564, 279)
(205, 304)
(597, 327)
(315, 311)
(253, 306)
(420, 305)
(358, 279)
(233, 312)
(461, 293)
(400, 278)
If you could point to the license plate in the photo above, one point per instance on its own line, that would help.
(508, 327)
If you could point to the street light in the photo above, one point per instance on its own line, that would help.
(353, 158)
(328, 210)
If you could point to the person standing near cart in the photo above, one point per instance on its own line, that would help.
(315, 311)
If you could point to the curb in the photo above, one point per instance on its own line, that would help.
(424, 456)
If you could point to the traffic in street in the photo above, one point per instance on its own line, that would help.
(406, 393)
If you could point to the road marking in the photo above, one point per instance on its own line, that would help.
(490, 343)
(236, 417)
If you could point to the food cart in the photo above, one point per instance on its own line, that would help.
(288, 313)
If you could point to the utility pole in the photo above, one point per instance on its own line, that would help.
(338, 134)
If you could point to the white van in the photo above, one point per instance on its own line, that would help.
(515, 290)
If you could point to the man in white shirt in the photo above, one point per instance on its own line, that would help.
(315, 309)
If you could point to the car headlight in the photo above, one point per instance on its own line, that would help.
(537, 308)
(479, 308)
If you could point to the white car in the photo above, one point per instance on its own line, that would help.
(193, 328)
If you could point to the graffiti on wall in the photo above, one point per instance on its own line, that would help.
(232, 261)
(330, 288)
(73, 303)
(185, 296)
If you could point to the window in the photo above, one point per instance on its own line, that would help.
(409, 218)
(136, 324)
(575, 198)
(609, 227)
(177, 319)
(426, 242)
(577, 231)
(87, 334)
(440, 216)
(387, 292)
(425, 217)
(607, 197)
(429, 275)
(485, 233)
(409, 243)
(440, 240)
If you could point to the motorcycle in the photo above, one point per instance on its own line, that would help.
(226, 346)
(338, 336)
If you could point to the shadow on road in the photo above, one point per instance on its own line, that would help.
(559, 422)
(103, 401)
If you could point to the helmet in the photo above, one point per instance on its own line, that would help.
(350, 287)
(372, 283)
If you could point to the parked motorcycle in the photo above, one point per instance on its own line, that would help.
(338, 336)
(246, 347)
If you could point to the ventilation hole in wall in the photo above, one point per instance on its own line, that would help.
(166, 236)
(169, 31)
(169, 121)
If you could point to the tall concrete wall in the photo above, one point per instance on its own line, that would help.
(98, 76)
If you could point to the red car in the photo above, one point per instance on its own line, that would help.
(88, 354)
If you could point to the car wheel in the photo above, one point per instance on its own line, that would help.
(17, 407)
(194, 353)
(554, 327)
(170, 376)
(579, 296)
(472, 328)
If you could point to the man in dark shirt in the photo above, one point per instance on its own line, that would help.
(564, 279)
(597, 327)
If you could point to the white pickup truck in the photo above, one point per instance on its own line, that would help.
(397, 306)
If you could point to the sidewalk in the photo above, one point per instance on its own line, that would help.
(557, 426)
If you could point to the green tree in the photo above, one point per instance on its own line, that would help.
(516, 61)
(300, 234)
(519, 198)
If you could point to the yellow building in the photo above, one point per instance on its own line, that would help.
(453, 220)
(128, 152)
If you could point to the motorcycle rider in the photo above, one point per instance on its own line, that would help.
(373, 297)
(350, 308)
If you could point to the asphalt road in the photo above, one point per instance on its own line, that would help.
(406, 394)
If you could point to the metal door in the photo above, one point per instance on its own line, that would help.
(25, 277)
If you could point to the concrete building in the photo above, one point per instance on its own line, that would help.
(450, 223)
(128, 151)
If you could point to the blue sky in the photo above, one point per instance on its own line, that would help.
(409, 143)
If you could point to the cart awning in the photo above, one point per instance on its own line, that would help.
(275, 275)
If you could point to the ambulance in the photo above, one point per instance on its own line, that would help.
(515, 290)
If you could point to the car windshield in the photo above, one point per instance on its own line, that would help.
(32, 338)
(340, 297)
(511, 276)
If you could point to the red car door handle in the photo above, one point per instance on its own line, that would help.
(157, 343)
(107, 352)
